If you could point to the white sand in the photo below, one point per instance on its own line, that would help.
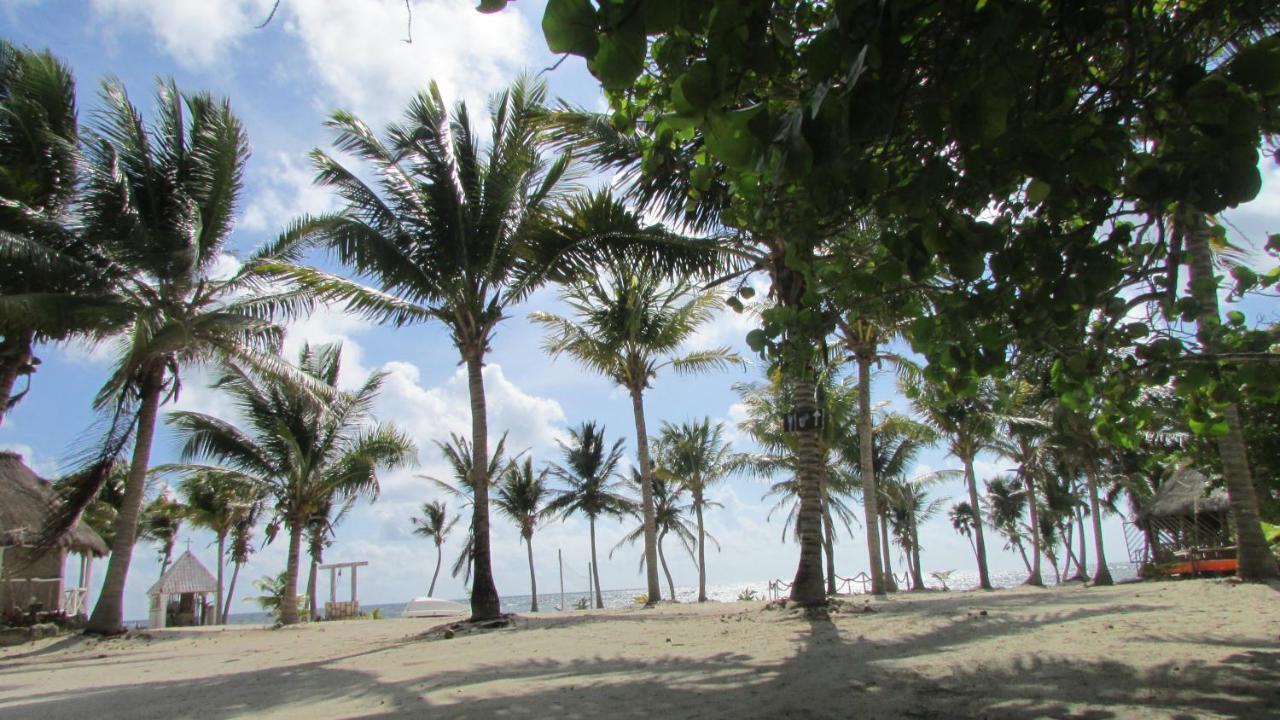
(1195, 649)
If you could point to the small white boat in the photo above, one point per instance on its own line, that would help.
(433, 607)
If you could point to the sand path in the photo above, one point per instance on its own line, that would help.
(1195, 649)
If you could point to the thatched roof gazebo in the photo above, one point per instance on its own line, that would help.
(179, 597)
(1186, 521)
(29, 576)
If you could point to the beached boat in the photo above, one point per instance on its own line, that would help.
(433, 607)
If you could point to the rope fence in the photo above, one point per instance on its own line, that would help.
(844, 585)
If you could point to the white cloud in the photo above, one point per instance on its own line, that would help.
(284, 191)
(196, 33)
(355, 49)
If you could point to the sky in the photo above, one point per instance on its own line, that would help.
(317, 56)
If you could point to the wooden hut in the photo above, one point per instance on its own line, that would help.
(180, 597)
(31, 579)
(1185, 527)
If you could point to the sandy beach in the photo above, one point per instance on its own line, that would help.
(1194, 649)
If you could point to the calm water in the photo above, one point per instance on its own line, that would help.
(959, 580)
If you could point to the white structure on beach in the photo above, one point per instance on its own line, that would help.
(180, 596)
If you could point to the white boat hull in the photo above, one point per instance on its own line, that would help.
(433, 607)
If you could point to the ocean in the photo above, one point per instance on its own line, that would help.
(730, 592)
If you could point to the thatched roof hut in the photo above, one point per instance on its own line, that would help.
(1185, 493)
(178, 598)
(25, 499)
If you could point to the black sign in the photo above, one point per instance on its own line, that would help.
(807, 421)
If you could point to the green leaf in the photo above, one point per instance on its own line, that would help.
(730, 139)
(491, 6)
(1037, 191)
(620, 58)
(756, 340)
(695, 90)
(661, 16)
(570, 27)
(1235, 317)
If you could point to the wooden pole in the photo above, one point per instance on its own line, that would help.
(591, 588)
(560, 557)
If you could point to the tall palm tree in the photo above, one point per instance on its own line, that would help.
(1025, 441)
(241, 547)
(435, 525)
(52, 287)
(909, 506)
(967, 424)
(318, 532)
(457, 452)
(217, 504)
(159, 202)
(961, 517)
(161, 522)
(521, 497)
(669, 516)
(696, 455)
(304, 450)
(592, 486)
(449, 232)
(628, 324)
(1005, 502)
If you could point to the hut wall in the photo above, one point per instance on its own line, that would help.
(26, 575)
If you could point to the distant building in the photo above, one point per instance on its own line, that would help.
(30, 578)
(180, 598)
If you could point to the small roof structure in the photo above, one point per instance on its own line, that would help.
(1186, 492)
(186, 575)
(25, 498)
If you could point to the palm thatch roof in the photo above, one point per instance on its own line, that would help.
(1186, 492)
(186, 575)
(25, 498)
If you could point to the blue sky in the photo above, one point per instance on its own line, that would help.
(320, 55)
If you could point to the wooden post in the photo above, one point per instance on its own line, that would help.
(333, 584)
(560, 557)
(353, 583)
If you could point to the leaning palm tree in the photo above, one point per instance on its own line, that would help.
(909, 506)
(160, 202)
(1005, 502)
(304, 451)
(629, 323)
(669, 516)
(435, 525)
(241, 547)
(961, 517)
(521, 497)
(966, 424)
(696, 455)
(218, 505)
(591, 485)
(54, 285)
(449, 232)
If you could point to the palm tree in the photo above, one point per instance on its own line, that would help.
(961, 517)
(669, 516)
(521, 496)
(241, 547)
(435, 525)
(303, 450)
(1025, 442)
(909, 506)
(319, 531)
(161, 522)
(218, 505)
(53, 286)
(629, 324)
(967, 424)
(696, 455)
(159, 203)
(450, 233)
(1005, 502)
(457, 452)
(592, 484)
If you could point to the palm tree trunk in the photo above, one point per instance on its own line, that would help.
(15, 354)
(702, 548)
(108, 613)
(646, 498)
(289, 602)
(533, 577)
(1255, 560)
(807, 587)
(1035, 578)
(662, 558)
(218, 619)
(595, 565)
(917, 577)
(871, 513)
(979, 542)
(439, 555)
(1102, 575)
(485, 604)
(1068, 535)
(886, 554)
(231, 591)
(1082, 571)
(312, 610)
